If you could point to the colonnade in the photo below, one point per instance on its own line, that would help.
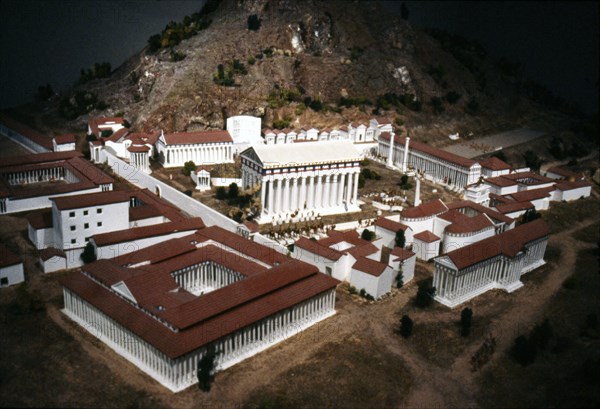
(456, 286)
(140, 160)
(205, 277)
(40, 175)
(287, 193)
(440, 169)
(177, 374)
(179, 154)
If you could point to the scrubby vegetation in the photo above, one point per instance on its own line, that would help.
(81, 103)
(99, 70)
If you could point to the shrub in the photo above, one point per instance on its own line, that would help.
(367, 235)
(400, 240)
(541, 335)
(400, 278)
(452, 97)
(425, 295)
(253, 22)
(188, 168)
(352, 289)
(233, 191)
(362, 292)
(466, 319)
(221, 193)
(437, 105)
(251, 60)
(281, 123)
(532, 160)
(523, 351)
(88, 255)
(406, 326)
(206, 369)
(177, 56)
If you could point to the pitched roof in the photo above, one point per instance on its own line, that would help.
(319, 249)
(430, 150)
(371, 267)
(514, 207)
(49, 252)
(27, 131)
(494, 163)
(401, 254)
(35, 158)
(90, 199)
(62, 139)
(566, 173)
(426, 236)
(312, 153)
(40, 219)
(390, 225)
(529, 195)
(196, 138)
(468, 224)
(500, 181)
(494, 215)
(138, 149)
(154, 230)
(427, 209)
(568, 185)
(508, 243)
(7, 257)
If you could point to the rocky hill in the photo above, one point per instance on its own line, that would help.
(309, 62)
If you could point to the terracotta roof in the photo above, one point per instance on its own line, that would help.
(143, 212)
(138, 149)
(528, 178)
(91, 199)
(143, 138)
(252, 226)
(7, 257)
(88, 170)
(501, 199)
(401, 254)
(426, 236)
(566, 173)
(175, 344)
(62, 139)
(194, 138)
(494, 163)
(568, 185)
(161, 229)
(508, 243)
(529, 195)
(500, 181)
(95, 123)
(38, 158)
(158, 252)
(390, 225)
(363, 250)
(468, 224)
(481, 209)
(49, 252)
(337, 236)
(40, 219)
(430, 150)
(514, 207)
(27, 131)
(371, 267)
(427, 209)
(318, 249)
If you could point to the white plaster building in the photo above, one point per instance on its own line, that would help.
(493, 167)
(203, 148)
(63, 143)
(372, 276)
(11, 267)
(405, 260)
(426, 245)
(28, 182)
(496, 262)
(302, 178)
(97, 125)
(441, 166)
(201, 177)
(386, 228)
(557, 172)
(164, 317)
(245, 131)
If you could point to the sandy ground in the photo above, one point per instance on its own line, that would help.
(491, 143)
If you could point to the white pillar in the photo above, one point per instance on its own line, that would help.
(390, 158)
(263, 191)
(355, 193)
(405, 161)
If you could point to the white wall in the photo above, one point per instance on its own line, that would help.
(14, 274)
(54, 264)
(375, 286)
(575, 194)
(426, 251)
(40, 202)
(226, 182)
(119, 249)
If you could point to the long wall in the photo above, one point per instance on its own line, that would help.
(22, 140)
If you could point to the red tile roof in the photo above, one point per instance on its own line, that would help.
(40, 219)
(143, 212)
(252, 226)
(7, 257)
(500, 181)
(529, 195)
(371, 267)
(565, 173)
(430, 150)
(138, 149)
(314, 247)
(91, 199)
(138, 233)
(514, 207)
(494, 215)
(493, 163)
(509, 244)
(426, 236)
(468, 224)
(49, 252)
(193, 138)
(528, 178)
(568, 185)
(36, 158)
(424, 210)
(363, 250)
(27, 131)
(401, 254)
(390, 225)
(62, 139)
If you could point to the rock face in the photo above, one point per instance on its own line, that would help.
(323, 50)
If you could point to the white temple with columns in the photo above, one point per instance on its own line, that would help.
(302, 179)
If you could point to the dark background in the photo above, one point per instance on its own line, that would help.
(49, 41)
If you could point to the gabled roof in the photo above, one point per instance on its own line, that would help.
(7, 257)
(390, 225)
(90, 199)
(568, 185)
(529, 195)
(197, 138)
(494, 215)
(63, 139)
(371, 267)
(49, 252)
(309, 153)
(508, 243)
(430, 150)
(501, 181)
(514, 207)
(401, 254)
(426, 236)
(154, 230)
(40, 219)
(493, 163)
(427, 209)
(319, 249)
